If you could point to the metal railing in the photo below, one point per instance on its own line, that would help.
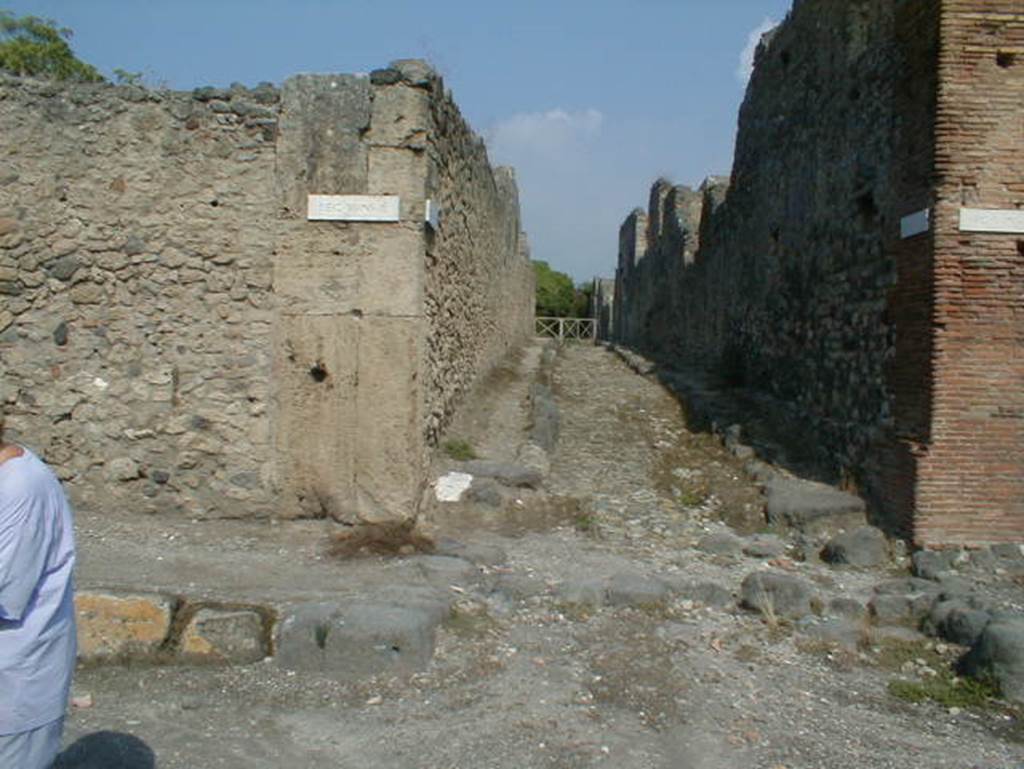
(567, 329)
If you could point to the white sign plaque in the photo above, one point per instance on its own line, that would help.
(432, 214)
(915, 223)
(354, 208)
(992, 220)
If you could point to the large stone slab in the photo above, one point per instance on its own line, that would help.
(863, 546)
(356, 641)
(320, 148)
(507, 473)
(121, 625)
(776, 595)
(225, 635)
(999, 652)
(812, 508)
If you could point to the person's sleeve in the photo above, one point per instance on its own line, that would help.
(22, 555)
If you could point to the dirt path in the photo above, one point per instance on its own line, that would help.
(598, 632)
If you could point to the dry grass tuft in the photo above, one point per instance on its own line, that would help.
(380, 539)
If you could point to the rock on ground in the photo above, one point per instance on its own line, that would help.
(864, 546)
(999, 652)
(776, 595)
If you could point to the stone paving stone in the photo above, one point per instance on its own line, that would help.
(356, 641)
(115, 625)
(225, 635)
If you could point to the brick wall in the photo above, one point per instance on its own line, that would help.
(971, 482)
(901, 355)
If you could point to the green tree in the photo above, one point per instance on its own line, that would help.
(583, 299)
(556, 295)
(33, 46)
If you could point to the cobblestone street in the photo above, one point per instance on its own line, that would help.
(605, 635)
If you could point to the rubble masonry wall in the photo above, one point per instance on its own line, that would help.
(899, 354)
(177, 337)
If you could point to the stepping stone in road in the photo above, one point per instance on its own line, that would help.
(812, 508)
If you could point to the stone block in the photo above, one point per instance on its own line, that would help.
(848, 608)
(999, 652)
(931, 564)
(478, 553)
(706, 593)
(316, 437)
(864, 546)
(122, 625)
(627, 588)
(443, 570)
(544, 416)
(225, 635)
(356, 641)
(320, 147)
(401, 171)
(401, 117)
(840, 631)
(778, 595)
(390, 463)
(506, 473)
(812, 508)
(720, 543)
(585, 592)
(907, 607)
(764, 546)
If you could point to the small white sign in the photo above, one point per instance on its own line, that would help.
(432, 214)
(354, 208)
(915, 223)
(451, 486)
(992, 220)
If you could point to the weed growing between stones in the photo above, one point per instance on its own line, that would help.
(459, 449)
(575, 612)
(585, 522)
(897, 655)
(468, 620)
(947, 690)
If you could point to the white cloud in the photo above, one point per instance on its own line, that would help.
(542, 133)
(746, 63)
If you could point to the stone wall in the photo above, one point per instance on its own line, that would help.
(602, 307)
(137, 271)
(177, 336)
(479, 281)
(802, 284)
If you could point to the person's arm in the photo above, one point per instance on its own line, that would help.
(22, 555)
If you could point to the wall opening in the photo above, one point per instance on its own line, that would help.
(319, 372)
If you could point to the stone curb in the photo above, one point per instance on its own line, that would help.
(117, 626)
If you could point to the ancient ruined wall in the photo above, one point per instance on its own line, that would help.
(479, 280)
(865, 263)
(178, 335)
(136, 239)
(791, 289)
(602, 308)
(632, 247)
(971, 480)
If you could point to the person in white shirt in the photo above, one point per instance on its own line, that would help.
(37, 615)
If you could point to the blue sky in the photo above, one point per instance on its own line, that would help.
(590, 101)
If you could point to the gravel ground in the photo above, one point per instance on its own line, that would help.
(526, 673)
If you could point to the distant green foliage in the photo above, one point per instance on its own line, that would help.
(33, 46)
(124, 77)
(556, 295)
(583, 300)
